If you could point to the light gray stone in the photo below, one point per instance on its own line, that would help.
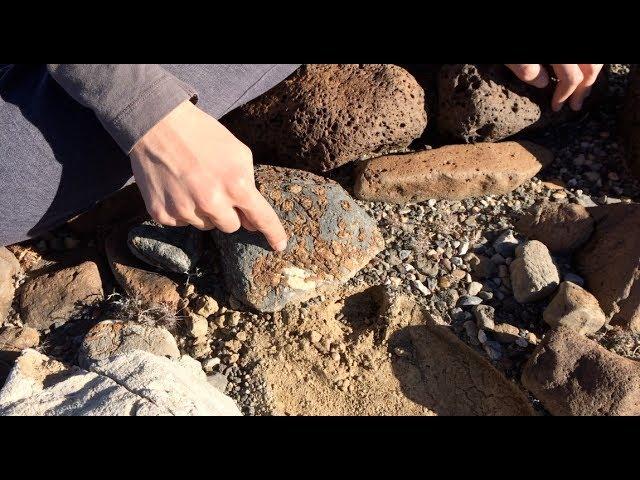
(534, 275)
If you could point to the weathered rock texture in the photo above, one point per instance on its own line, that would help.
(9, 269)
(610, 263)
(15, 339)
(324, 116)
(133, 384)
(452, 172)
(54, 298)
(109, 338)
(331, 238)
(562, 227)
(575, 308)
(150, 288)
(445, 373)
(534, 275)
(175, 249)
(488, 103)
(572, 375)
(630, 122)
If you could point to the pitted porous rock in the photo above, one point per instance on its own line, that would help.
(324, 116)
(487, 103)
(175, 249)
(330, 239)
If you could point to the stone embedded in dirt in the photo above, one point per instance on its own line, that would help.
(136, 383)
(53, 299)
(534, 275)
(150, 288)
(482, 266)
(205, 305)
(458, 380)
(630, 121)
(562, 227)
(330, 239)
(115, 337)
(175, 249)
(506, 333)
(485, 316)
(9, 269)
(488, 103)
(572, 375)
(452, 172)
(610, 263)
(197, 325)
(575, 308)
(324, 116)
(15, 339)
(506, 244)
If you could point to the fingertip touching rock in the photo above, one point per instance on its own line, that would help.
(330, 239)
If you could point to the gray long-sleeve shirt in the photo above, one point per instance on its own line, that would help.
(127, 99)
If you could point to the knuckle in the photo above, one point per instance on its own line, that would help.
(229, 227)
(575, 78)
(528, 72)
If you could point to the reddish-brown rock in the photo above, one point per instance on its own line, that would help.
(15, 339)
(54, 298)
(562, 227)
(453, 172)
(572, 375)
(610, 263)
(150, 288)
(324, 116)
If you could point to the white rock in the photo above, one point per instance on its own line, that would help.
(474, 288)
(198, 325)
(136, 383)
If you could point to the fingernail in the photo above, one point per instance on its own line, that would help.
(281, 246)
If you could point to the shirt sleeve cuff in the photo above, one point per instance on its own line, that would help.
(155, 103)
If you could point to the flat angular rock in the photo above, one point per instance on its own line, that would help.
(109, 338)
(630, 122)
(572, 375)
(53, 299)
(534, 275)
(151, 288)
(610, 263)
(174, 249)
(453, 172)
(446, 373)
(324, 116)
(575, 308)
(488, 103)
(331, 238)
(133, 384)
(562, 227)
(9, 269)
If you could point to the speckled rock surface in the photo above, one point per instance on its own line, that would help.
(175, 249)
(610, 263)
(133, 384)
(109, 338)
(324, 116)
(488, 103)
(562, 227)
(572, 375)
(53, 299)
(630, 122)
(15, 339)
(453, 172)
(331, 238)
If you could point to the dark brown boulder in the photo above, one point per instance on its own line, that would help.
(487, 103)
(324, 116)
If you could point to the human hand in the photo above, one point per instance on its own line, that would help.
(574, 80)
(192, 171)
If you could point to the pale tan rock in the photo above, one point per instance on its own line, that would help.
(575, 308)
